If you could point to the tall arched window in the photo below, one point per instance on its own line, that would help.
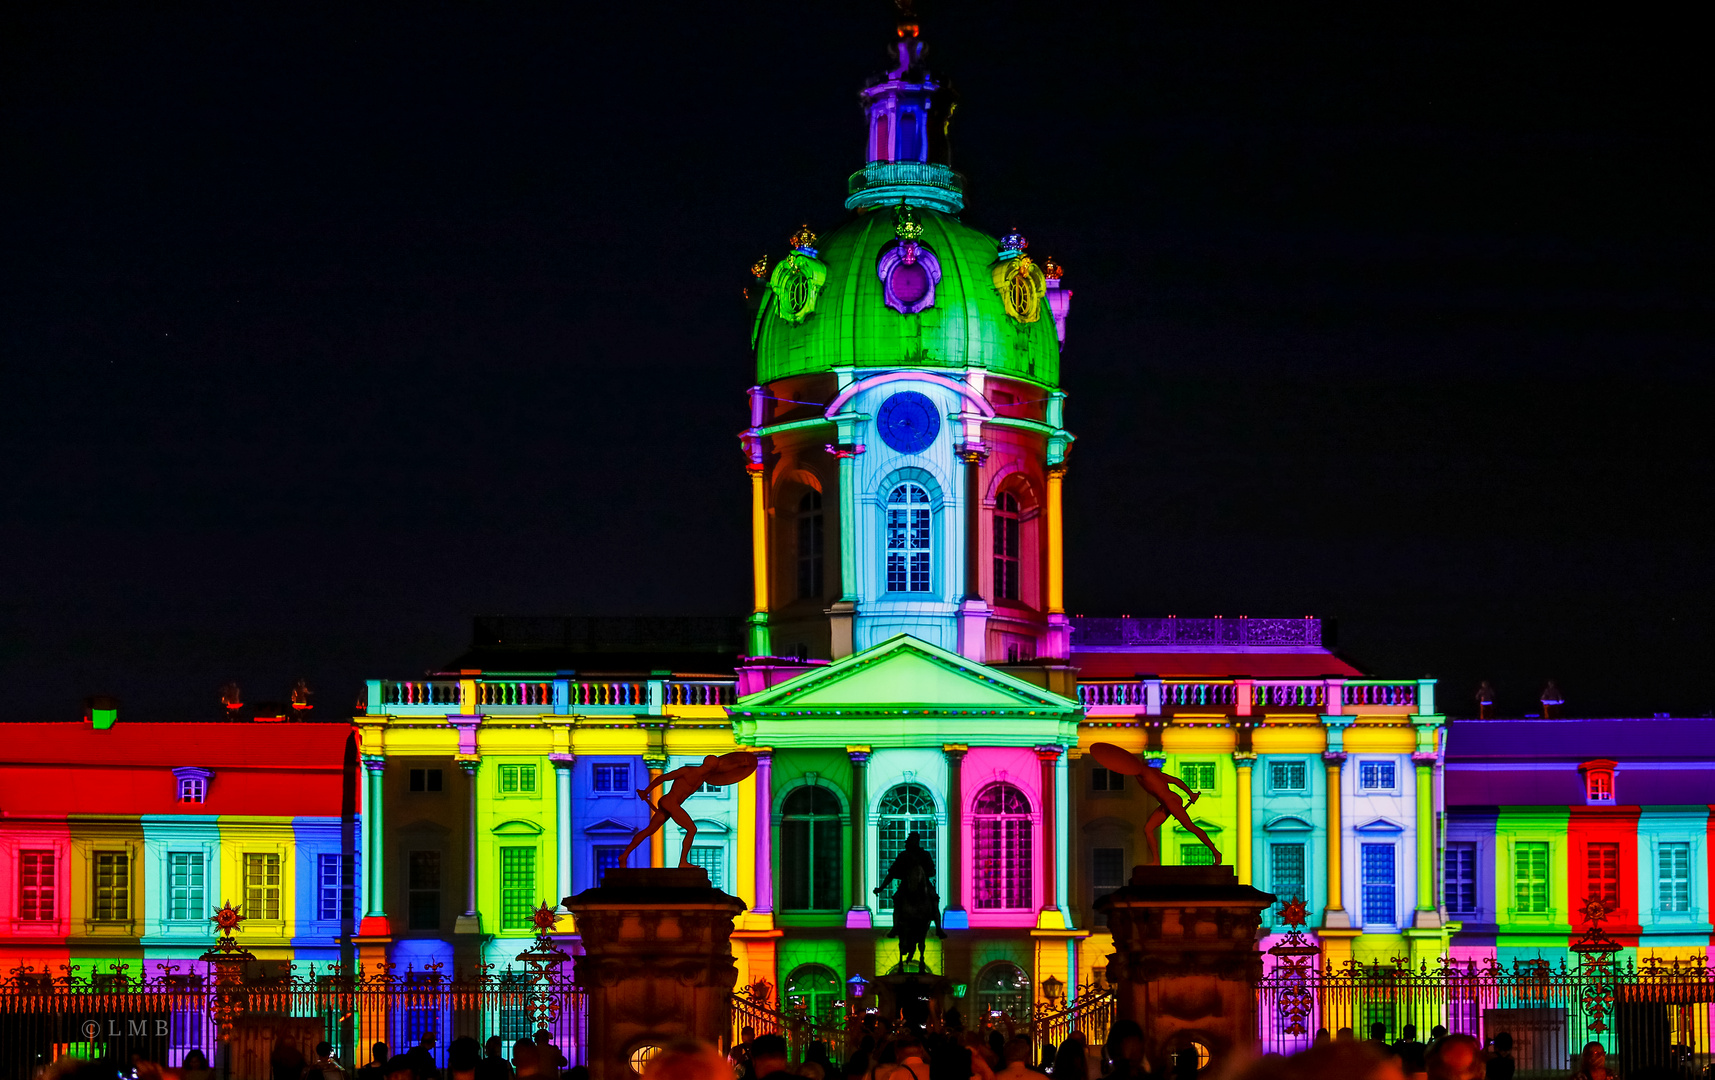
(1001, 826)
(882, 140)
(810, 546)
(811, 856)
(1006, 546)
(908, 546)
(816, 988)
(1003, 988)
(905, 809)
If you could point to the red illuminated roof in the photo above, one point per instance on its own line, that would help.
(288, 770)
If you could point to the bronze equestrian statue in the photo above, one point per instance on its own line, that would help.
(916, 903)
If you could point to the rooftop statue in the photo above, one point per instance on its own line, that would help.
(1160, 785)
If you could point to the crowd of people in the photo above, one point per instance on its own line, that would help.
(948, 1053)
(943, 1052)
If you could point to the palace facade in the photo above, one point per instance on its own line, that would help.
(909, 665)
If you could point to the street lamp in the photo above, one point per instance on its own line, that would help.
(1053, 989)
(858, 985)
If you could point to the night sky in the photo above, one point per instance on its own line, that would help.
(321, 332)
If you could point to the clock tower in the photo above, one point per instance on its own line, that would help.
(906, 446)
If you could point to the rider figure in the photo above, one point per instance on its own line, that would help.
(914, 855)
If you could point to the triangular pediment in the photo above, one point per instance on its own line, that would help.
(608, 825)
(906, 692)
(906, 672)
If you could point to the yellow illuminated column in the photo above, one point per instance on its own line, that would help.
(1242, 858)
(1056, 543)
(657, 840)
(759, 638)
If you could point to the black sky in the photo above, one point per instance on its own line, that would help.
(323, 331)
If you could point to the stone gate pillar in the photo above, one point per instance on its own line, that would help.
(1185, 963)
(657, 962)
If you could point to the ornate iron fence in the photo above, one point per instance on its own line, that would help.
(1090, 1014)
(1650, 1016)
(233, 1011)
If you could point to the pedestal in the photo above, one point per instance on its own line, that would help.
(657, 962)
(915, 998)
(1185, 963)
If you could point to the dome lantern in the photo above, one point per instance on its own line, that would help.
(907, 115)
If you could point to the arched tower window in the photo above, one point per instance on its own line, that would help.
(905, 809)
(1001, 826)
(816, 988)
(908, 543)
(1003, 988)
(810, 546)
(812, 859)
(882, 133)
(1006, 546)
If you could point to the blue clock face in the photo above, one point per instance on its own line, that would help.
(908, 422)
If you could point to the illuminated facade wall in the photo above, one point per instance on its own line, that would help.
(117, 845)
(1545, 814)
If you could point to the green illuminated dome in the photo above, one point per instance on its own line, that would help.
(852, 322)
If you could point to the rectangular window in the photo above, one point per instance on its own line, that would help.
(1673, 878)
(519, 779)
(1376, 775)
(1286, 865)
(608, 858)
(36, 886)
(185, 896)
(425, 779)
(1376, 865)
(262, 887)
(1106, 780)
(611, 778)
(112, 886)
(1461, 879)
(193, 789)
(518, 887)
(1604, 884)
(331, 889)
(810, 550)
(1198, 775)
(1530, 879)
(1286, 775)
(423, 890)
(1196, 854)
(1006, 547)
(712, 858)
(1108, 874)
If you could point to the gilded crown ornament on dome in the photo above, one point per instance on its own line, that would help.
(1013, 244)
(804, 240)
(1052, 270)
(906, 224)
(759, 268)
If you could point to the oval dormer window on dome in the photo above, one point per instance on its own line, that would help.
(908, 270)
(1018, 279)
(798, 278)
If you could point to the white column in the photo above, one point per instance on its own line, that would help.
(563, 765)
(374, 858)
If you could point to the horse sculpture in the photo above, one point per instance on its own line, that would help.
(916, 904)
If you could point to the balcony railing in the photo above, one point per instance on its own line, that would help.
(1152, 697)
(441, 697)
(1093, 633)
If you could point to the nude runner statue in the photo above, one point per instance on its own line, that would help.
(720, 771)
(1158, 784)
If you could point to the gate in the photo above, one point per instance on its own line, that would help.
(1654, 1015)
